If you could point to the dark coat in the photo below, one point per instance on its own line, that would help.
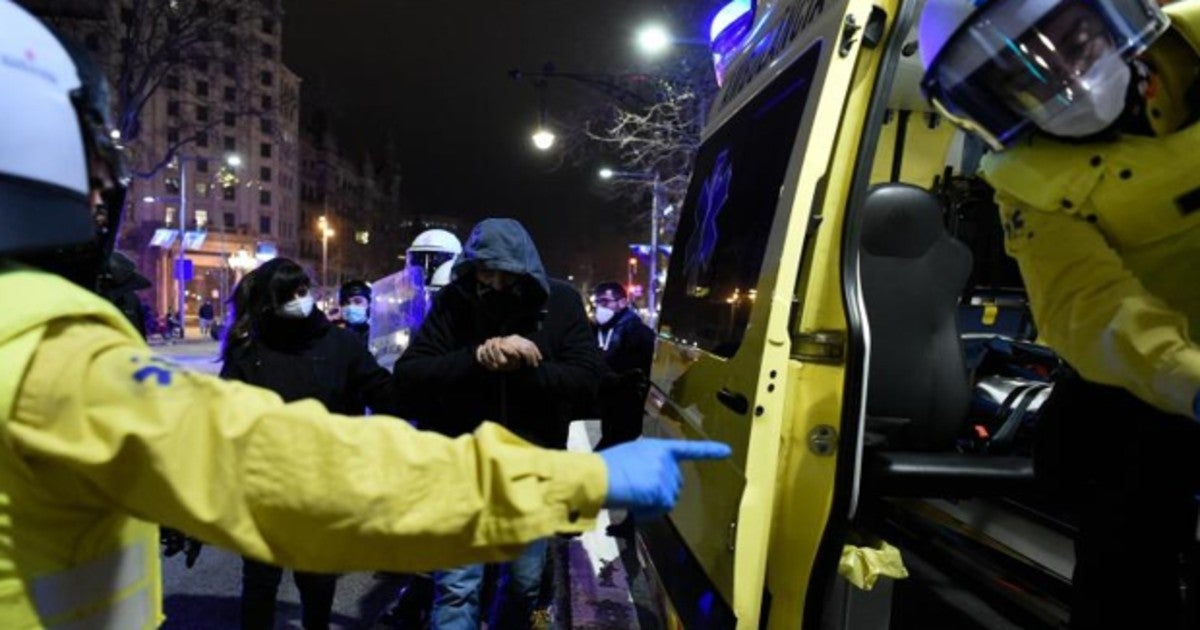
(446, 390)
(120, 285)
(630, 343)
(311, 358)
(628, 355)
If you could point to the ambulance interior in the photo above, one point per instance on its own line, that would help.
(954, 383)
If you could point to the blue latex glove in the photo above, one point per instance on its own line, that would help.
(644, 477)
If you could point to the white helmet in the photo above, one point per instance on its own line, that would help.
(434, 251)
(55, 141)
(996, 67)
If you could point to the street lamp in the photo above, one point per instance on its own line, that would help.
(543, 139)
(653, 39)
(657, 203)
(326, 234)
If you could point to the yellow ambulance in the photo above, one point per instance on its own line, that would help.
(815, 314)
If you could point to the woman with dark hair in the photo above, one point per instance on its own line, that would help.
(279, 341)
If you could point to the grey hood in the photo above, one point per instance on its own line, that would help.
(502, 245)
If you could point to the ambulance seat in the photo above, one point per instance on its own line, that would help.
(918, 389)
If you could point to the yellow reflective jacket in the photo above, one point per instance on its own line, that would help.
(1107, 236)
(101, 438)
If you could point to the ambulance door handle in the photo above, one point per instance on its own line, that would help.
(733, 400)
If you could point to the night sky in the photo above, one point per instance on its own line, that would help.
(435, 76)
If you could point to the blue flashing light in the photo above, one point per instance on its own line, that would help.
(728, 14)
(727, 30)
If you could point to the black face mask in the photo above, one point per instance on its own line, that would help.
(499, 302)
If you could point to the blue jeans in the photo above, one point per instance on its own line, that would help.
(456, 593)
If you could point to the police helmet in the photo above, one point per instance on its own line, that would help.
(62, 176)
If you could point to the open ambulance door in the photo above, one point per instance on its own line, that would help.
(749, 346)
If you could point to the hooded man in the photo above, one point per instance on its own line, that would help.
(506, 343)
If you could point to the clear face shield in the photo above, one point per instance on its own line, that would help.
(1059, 65)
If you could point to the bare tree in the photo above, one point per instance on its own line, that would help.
(152, 46)
(661, 139)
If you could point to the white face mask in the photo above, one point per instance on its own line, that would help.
(604, 315)
(355, 314)
(298, 308)
(1098, 105)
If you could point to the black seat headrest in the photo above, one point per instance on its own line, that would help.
(901, 221)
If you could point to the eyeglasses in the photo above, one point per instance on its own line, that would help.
(605, 301)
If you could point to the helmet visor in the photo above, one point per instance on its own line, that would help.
(429, 261)
(1016, 62)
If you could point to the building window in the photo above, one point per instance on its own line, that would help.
(264, 173)
(202, 139)
(201, 219)
(92, 41)
(127, 16)
(267, 102)
(201, 64)
(264, 224)
(230, 144)
(201, 113)
(230, 119)
(231, 16)
(202, 88)
(172, 185)
(265, 125)
(266, 77)
(230, 69)
(268, 51)
(264, 197)
(230, 94)
(169, 214)
(228, 220)
(229, 193)
(172, 108)
(268, 25)
(202, 189)
(201, 165)
(362, 237)
(171, 82)
(264, 149)
(172, 135)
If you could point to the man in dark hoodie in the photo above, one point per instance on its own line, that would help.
(506, 343)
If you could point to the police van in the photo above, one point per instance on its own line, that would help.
(835, 309)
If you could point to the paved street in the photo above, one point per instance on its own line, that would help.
(591, 589)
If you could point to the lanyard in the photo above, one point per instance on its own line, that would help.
(604, 338)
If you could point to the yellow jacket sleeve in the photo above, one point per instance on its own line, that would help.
(289, 484)
(1096, 314)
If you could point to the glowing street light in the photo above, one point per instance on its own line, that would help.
(607, 173)
(543, 139)
(653, 39)
(326, 234)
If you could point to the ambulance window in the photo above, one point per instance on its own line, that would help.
(728, 213)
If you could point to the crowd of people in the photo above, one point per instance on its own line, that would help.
(105, 441)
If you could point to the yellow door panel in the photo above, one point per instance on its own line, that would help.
(722, 366)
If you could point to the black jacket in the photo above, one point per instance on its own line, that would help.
(444, 388)
(630, 343)
(311, 358)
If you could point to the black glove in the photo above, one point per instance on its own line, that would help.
(174, 541)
